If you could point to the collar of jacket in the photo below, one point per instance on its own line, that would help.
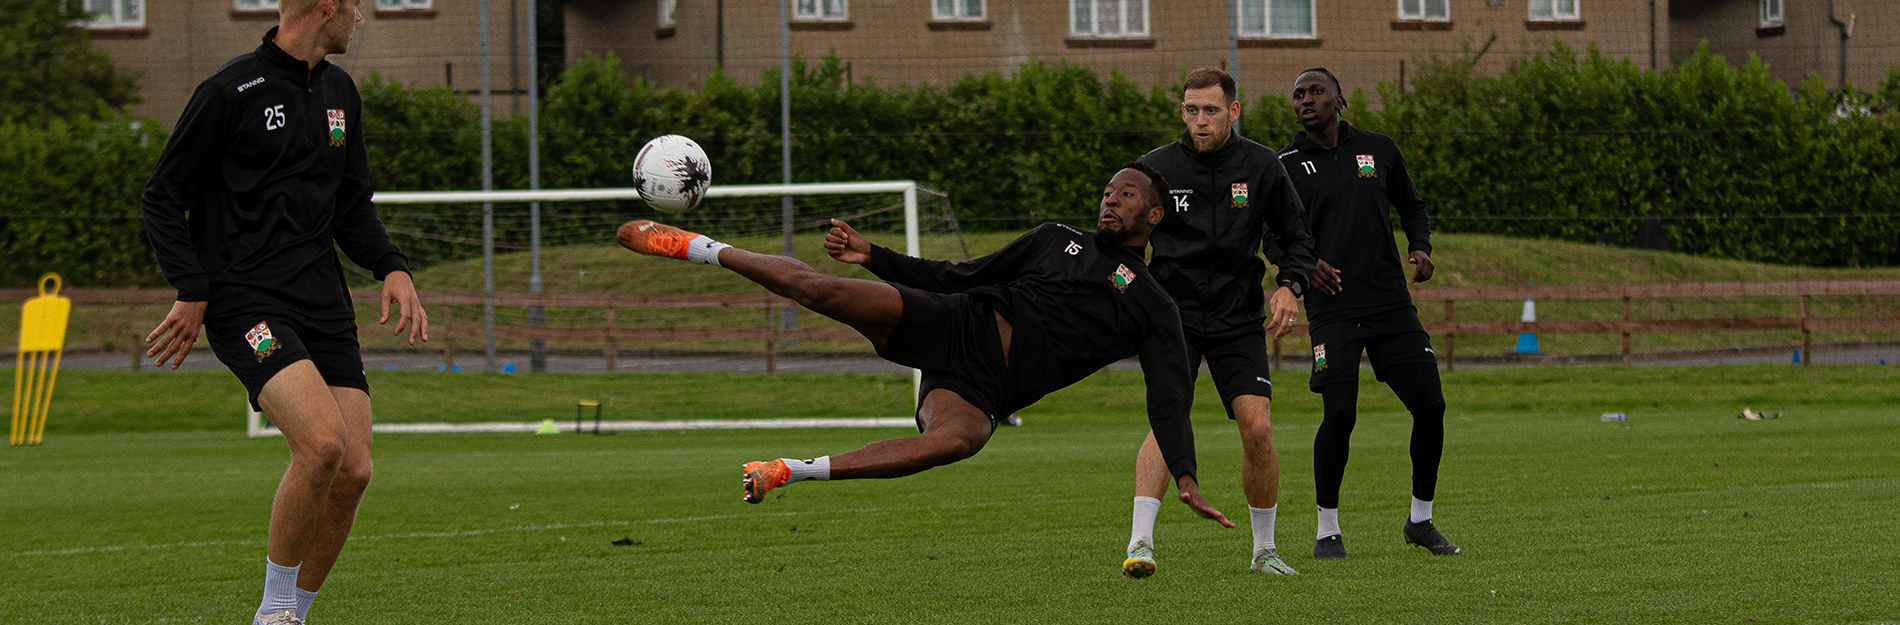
(1187, 143)
(300, 72)
(1301, 142)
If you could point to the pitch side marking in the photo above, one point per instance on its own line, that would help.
(457, 534)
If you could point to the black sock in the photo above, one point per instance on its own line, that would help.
(1418, 387)
(1334, 441)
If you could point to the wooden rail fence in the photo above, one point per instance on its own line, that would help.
(447, 329)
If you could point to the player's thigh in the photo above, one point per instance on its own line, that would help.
(946, 414)
(301, 406)
(1240, 366)
(1400, 341)
(354, 405)
(870, 307)
(1336, 349)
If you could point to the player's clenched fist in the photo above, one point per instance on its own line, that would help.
(845, 244)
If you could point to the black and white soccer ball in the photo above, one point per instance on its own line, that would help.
(672, 173)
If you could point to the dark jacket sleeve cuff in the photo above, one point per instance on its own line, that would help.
(880, 263)
(1419, 247)
(1292, 276)
(389, 264)
(1184, 466)
(193, 288)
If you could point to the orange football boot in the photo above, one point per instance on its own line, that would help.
(762, 477)
(655, 239)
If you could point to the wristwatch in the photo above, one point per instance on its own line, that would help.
(1296, 287)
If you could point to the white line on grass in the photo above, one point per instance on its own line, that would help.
(456, 534)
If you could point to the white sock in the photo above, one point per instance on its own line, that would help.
(1262, 526)
(280, 588)
(814, 469)
(1146, 509)
(704, 250)
(1328, 522)
(304, 599)
(1421, 510)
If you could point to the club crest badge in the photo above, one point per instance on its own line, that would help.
(1366, 166)
(261, 340)
(1319, 357)
(1240, 194)
(337, 130)
(1122, 278)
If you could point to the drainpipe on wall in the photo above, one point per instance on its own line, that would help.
(1652, 35)
(1845, 28)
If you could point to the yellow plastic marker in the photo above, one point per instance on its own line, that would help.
(42, 334)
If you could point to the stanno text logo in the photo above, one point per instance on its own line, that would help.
(254, 82)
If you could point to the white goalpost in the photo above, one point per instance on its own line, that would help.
(258, 425)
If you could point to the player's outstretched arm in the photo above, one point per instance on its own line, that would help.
(845, 244)
(400, 289)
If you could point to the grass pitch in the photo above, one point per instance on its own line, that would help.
(1683, 514)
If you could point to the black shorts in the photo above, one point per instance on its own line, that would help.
(256, 343)
(1238, 361)
(952, 338)
(1391, 338)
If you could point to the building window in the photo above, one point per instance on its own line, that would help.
(1277, 18)
(1108, 18)
(667, 13)
(254, 5)
(819, 10)
(1555, 9)
(402, 5)
(957, 10)
(1770, 12)
(1427, 9)
(114, 14)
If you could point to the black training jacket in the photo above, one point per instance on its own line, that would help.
(263, 179)
(1222, 206)
(1347, 191)
(1075, 306)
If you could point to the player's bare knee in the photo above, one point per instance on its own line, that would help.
(323, 454)
(352, 480)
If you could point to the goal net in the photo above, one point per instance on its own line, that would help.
(660, 343)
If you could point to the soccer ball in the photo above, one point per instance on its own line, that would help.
(672, 173)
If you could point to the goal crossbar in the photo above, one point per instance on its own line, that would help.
(906, 187)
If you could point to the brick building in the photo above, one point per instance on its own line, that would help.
(174, 45)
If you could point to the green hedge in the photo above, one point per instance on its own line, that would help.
(1568, 146)
(69, 202)
(1562, 145)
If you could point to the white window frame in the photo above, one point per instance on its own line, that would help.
(1772, 12)
(669, 13)
(1093, 28)
(1265, 7)
(1421, 10)
(404, 5)
(821, 10)
(117, 14)
(959, 10)
(253, 5)
(1554, 6)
